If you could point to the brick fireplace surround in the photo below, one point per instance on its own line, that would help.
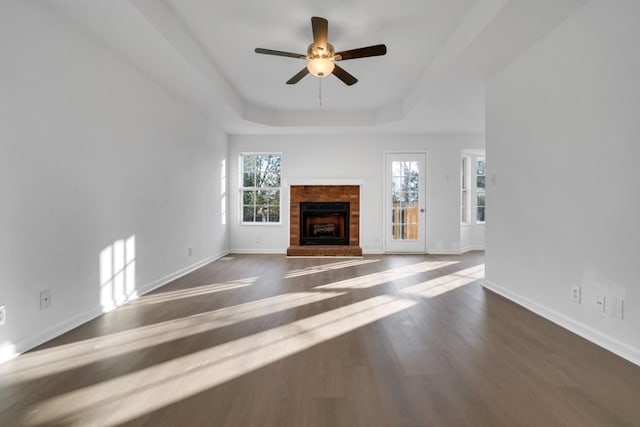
(324, 193)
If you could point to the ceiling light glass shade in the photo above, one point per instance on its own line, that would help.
(320, 67)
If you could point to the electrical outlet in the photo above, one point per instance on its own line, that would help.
(190, 251)
(3, 315)
(600, 303)
(575, 293)
(45, 299)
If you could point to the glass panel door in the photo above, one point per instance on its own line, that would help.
(405, 218)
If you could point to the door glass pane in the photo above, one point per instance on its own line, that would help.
(405, 183)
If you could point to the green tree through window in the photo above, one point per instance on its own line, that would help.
(261, 188)
(405, 183)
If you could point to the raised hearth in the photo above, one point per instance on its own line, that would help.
(324, 220)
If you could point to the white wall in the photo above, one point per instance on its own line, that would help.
(562, 140)
(356, 158)
(92, 153)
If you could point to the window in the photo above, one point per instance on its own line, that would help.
(464, 196)
(481, 173)
(260, 188)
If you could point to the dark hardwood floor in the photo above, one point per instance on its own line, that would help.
(264, 340)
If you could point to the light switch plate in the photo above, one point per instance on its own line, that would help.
(575, 294)
(618, 308)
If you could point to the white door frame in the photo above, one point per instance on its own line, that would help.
(414, 246)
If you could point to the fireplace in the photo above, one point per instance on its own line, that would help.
(324, 220)
(324, 223)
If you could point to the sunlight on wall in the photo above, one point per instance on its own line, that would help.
(118, 273)
(223, 191)
(7, 351)
(129, 396)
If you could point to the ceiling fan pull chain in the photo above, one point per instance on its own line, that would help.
(320, 91)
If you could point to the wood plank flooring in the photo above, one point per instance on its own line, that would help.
(264, 340)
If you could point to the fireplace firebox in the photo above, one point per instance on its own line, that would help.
(324, 223)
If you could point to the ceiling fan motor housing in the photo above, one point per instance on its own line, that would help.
(320, 51)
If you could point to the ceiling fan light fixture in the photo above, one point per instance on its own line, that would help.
(321, 55)
(320, 67)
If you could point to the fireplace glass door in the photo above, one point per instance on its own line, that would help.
(324, 223)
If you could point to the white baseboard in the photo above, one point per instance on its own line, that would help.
(51, 332)
(619, 348)
(88, 315)
(372, 252)
(443, 252)
(430, 251)
(364, 251)
(173, 276)
(258, 251)
(471, 248)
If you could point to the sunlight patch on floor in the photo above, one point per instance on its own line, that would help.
(162, 297)
(132, 395)
(328, 267)
(449, 282)
(50, 361)
(375, 279)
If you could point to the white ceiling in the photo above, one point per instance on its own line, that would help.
(440, 54)
(413, 35)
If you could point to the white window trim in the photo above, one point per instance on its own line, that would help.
(465, 190)
(476, 189)
(241, 189)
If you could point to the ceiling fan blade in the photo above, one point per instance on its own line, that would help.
(280, 53)
(295, 79)
(362, 52)
(320, 28)
(346, 78)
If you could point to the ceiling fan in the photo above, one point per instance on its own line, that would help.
(321, 55)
